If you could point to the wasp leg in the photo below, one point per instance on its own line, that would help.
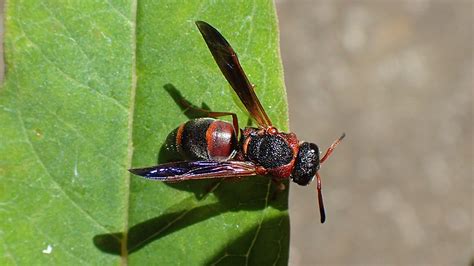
(279, 188)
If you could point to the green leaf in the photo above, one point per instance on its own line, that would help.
(90, 91)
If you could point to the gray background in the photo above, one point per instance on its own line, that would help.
(397, 77)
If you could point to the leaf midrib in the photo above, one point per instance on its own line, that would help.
(133, 20)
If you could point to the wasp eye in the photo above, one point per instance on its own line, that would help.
(306, 165)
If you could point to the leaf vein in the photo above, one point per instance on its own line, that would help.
(35, 153)
(66, 75)
(129, 21)
(133, 15)
(79, 47)
(259, 227)
(68, 252)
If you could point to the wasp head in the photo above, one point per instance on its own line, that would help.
(307, 164)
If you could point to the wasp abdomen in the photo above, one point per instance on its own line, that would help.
(206, 139)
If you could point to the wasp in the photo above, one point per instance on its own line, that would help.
(212, 148)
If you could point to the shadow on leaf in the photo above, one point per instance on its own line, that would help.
(259, 242)
(148, 231)
(254, 193)
(230, 199)
(169, 151)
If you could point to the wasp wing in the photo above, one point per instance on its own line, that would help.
(229, 64)
(188, 170)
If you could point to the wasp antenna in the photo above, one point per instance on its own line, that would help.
(332, 147)
(342, 136)
(322, 213)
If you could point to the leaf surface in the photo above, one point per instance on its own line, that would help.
(90, 91)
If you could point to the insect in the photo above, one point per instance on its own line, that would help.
(212, 148)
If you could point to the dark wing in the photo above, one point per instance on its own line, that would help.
(187, 170)
(229, 64)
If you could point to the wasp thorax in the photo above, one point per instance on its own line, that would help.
(306, 165)
(269, 151)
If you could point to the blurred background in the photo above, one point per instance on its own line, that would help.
(397, 77)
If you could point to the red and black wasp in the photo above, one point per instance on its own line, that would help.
(212, 148)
